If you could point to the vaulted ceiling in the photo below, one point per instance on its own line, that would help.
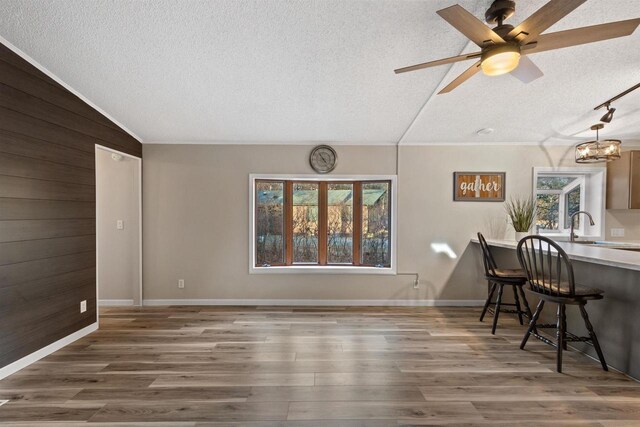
(267, 71)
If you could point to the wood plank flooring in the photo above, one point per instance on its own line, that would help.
(313, 366)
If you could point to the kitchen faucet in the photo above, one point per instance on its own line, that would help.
(572, 236)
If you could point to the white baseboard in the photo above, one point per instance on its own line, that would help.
(45, 351)
(314, 302)
(114, 302)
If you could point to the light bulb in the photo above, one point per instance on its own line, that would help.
(500, 59)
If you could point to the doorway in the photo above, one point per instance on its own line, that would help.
(118, 228)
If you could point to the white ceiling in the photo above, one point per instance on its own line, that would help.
(267, 71)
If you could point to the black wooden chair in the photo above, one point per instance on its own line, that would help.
(550, 275)
(498, 278)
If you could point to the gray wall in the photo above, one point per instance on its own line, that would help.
(196, 218)
(117, 197)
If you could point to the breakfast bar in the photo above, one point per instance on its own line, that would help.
(613, 267)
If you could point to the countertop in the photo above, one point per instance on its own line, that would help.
(604, 254)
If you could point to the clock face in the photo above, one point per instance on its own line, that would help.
(323, 159)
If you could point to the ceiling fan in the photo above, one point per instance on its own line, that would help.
(504, 49)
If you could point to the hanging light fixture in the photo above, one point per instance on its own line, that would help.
(598, 151)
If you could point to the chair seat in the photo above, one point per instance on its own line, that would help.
(511, 273)
(564, 290)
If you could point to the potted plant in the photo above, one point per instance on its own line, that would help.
(522, 213)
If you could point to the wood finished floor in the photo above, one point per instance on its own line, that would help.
(273, 366)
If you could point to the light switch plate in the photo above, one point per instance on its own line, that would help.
(120, 224)
(83, 306)
(617, 232)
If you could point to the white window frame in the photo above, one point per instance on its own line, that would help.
(588, 193)
(321, 269)
(562, 201)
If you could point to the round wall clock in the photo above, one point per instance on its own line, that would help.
(323, 159)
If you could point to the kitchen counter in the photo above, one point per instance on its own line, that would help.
(613, 254)
(616, 318)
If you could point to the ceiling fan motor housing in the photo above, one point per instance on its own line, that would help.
(500, 10)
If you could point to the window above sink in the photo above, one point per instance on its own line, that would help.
(560, 192)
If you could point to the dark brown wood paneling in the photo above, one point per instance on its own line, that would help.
(23, 124)
(27, 167)
(13, 143)
(23, 272)
(22, 102)
(16, 78)
(66, 324)
(47, 286)
(36, 229)
(52, 304)
(14, 252)
(47, 206)
(26, 188)
(10, 57)
(14, 209)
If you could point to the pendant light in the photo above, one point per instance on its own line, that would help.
(598, 151)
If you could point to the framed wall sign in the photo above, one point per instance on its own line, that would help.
(478, 186)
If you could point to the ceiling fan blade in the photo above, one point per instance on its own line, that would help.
(527, 71)
(470, 72)
(578, 36)
(469, 25)
(438, 62)
(542, 19)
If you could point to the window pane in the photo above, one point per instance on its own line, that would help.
(554, 182)
(548, 211)
(572, 205)
(269, 223)
(340, 223)
(305, 222)
(376, 220)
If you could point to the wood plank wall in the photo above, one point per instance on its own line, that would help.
(47, 207)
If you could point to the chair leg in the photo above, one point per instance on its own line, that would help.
(488, 301)
(517, 302)
(527, 308)
(594, 339)
(532, 324)
(497, 309)
(560, 336)
(564, 328)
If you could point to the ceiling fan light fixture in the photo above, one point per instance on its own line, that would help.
(500, 59)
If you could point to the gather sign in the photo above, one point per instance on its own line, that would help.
(478, 186)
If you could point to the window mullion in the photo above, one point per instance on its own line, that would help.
(323, 219)
(288, 208)
(357, 222)
(561, 212)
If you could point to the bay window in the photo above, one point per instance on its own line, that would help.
(560, 192)
(322, 224)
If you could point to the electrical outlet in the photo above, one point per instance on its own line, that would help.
(416, 284)
(120, 224)
(617, 232)
(181, 283)
(83, 306)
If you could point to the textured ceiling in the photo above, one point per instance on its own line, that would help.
(308, 71)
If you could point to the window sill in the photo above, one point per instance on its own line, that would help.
(312, 269)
